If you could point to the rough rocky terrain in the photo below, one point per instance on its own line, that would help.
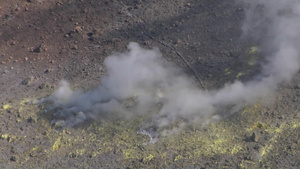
(45, 41)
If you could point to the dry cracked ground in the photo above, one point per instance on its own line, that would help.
(44, 41)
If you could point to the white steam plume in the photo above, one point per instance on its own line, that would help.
(141, 82)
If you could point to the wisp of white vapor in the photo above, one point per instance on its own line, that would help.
(140, 82)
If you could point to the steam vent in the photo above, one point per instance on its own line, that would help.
(136, 84)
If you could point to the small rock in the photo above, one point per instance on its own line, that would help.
(58, 3)
(43, 85)
(27, 81)
(90, 34)
(13, 150)
(13, 43)
(297, 87)
(73, 155)
(47, 71)
(75, 47)
(91, 39)
(240, 9)
(31, 120)
(252, 138)
(147, 43)
(97, 31)
(85, 10)
(40, 49)
(77, 29)
(13, 158)
(58, 125)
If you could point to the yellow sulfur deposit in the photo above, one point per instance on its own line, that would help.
(6, 106)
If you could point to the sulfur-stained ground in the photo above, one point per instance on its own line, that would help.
(44, 41)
